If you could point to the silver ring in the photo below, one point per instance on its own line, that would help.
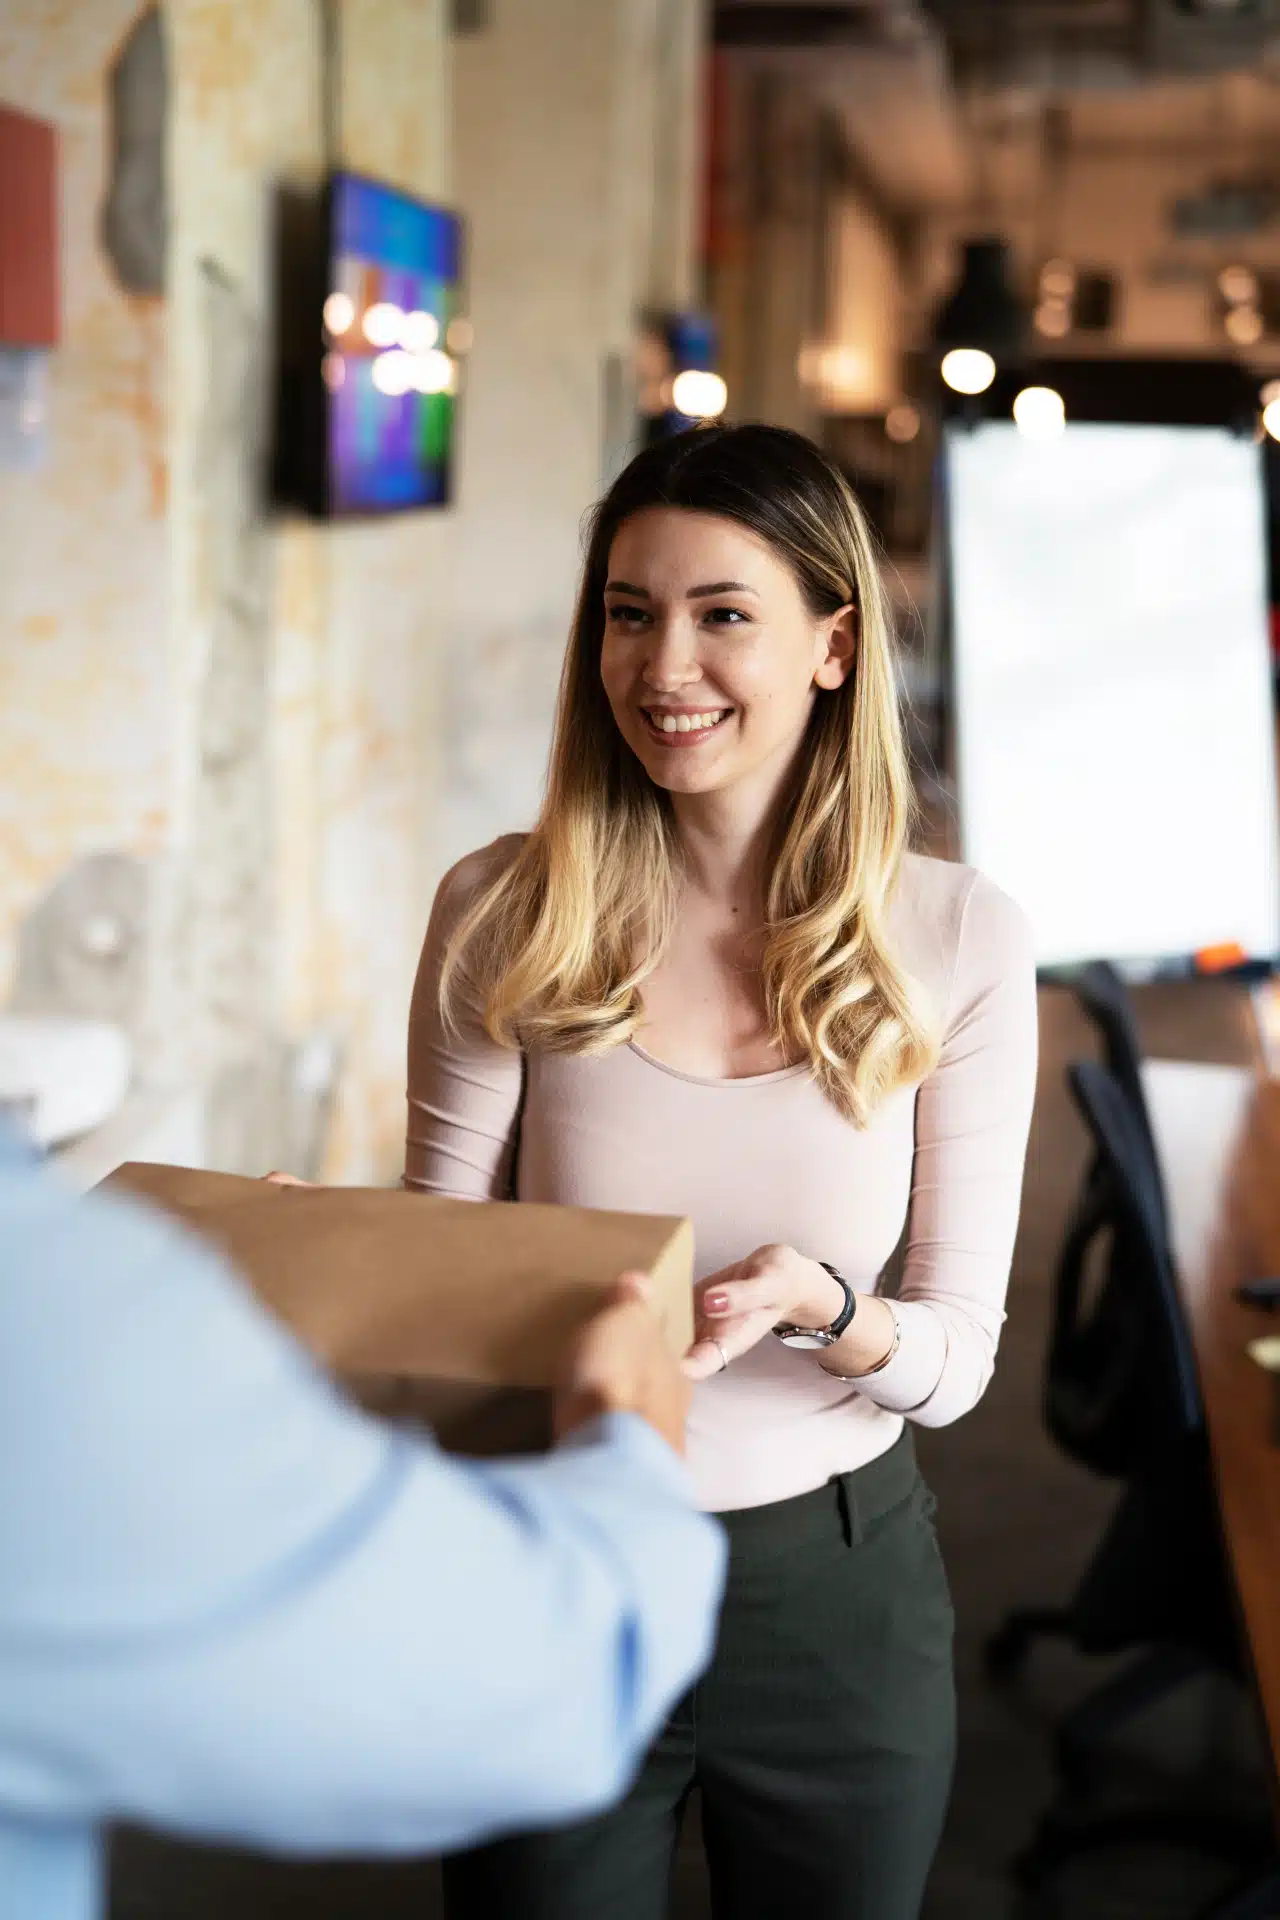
(724, 1358)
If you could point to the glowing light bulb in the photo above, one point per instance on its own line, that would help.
(1244, 325)
(1270, 392)
(419, 331)
(1271, 417)
(1057, 279)
(339, 312)
(968, 370)
(699, 395)
(382, 323)
(1053, 319)
(902, 424)
(1239, 285)
(1039, 413)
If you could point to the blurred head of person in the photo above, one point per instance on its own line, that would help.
(732, 651)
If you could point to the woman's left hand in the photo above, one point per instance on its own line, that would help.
(737, 1307)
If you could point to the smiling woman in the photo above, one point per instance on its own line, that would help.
(713, 981)
(730, 578)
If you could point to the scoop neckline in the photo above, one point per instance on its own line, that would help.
(706, 1080)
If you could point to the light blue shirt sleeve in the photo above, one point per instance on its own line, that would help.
(232, 1605)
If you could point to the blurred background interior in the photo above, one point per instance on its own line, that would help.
(322, 322)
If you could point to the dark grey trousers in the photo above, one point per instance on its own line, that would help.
(821, 1740)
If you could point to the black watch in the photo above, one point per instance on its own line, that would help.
(793, 1336)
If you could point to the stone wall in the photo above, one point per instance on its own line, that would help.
(277, 734)
(242, 701)
(85, 692)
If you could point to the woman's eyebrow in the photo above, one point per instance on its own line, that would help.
(694, 593)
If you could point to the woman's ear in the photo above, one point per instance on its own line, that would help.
(841, 634)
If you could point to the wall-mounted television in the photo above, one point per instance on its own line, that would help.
(371, 343)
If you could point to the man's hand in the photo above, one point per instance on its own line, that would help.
(622, 1365)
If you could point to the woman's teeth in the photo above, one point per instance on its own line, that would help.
(686, 722)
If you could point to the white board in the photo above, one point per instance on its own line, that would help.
(1114, 729)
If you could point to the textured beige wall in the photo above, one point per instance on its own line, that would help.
(576, 165)
(340, 855)
(244, 699)
(85, 756)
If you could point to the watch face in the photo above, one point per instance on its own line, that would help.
(808, 1340)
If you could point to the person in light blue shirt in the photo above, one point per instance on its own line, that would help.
(233, 1606)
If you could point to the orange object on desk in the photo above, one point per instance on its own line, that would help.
(1219, 959)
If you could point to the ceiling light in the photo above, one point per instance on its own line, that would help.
(1238, 285)
(968, 369)
(698, 394)
(1271, 417)
(1039, 413)
(1057, 279)
(902, 424)
(983, 310)
(1244, 326)
(1053, 318)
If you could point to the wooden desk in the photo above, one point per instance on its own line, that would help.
(1218, 1135)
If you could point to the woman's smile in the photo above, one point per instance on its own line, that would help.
(684, 727)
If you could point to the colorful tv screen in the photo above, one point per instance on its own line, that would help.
(393, 336)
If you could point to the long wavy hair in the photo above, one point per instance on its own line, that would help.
(556, 951)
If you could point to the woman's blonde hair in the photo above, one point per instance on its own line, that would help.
(557, 949)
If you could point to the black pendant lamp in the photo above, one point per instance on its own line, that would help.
(983, 315)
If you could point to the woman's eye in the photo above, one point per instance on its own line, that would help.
(620, 616)
(727, 616)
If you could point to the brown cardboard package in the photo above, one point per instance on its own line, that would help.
(460, 1314)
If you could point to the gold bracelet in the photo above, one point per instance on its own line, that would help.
(880, 1365)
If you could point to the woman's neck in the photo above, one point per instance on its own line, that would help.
(728, 840)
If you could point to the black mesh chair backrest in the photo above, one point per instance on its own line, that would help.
(1121, 1373)
(1105, 998)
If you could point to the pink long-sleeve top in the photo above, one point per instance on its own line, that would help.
(768, 1159)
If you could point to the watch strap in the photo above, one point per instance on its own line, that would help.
(850, 1307)
(828, 1335)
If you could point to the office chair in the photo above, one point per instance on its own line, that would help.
(1105, 998)
(1094, 1375)
(1158, 1581)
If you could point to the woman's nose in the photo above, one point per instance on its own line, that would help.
(671, 661)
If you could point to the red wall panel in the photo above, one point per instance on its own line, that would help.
(28, 231)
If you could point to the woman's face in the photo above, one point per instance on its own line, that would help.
(711, 657)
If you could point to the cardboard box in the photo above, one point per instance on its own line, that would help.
(455, 1312)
